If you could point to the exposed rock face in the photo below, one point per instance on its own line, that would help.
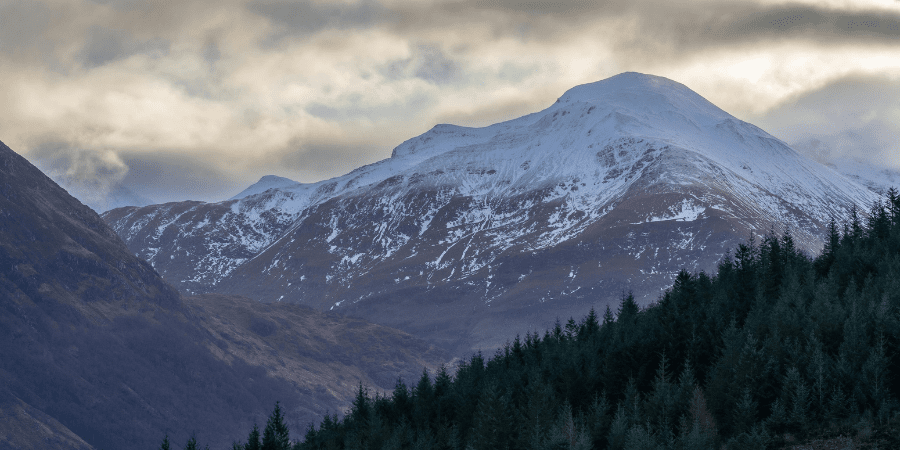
(96, 350)
(468, 236)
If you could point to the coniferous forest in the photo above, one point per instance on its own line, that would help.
(776, 348)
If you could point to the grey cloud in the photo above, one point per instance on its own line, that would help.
(655, 28)
(427, 62)
(351, 108)
(25, 28)
(211, 52)
(307, 161)
(494, 113)
(305, 17)
(803, 21)
(856, 117)
(78, 164)
(671, 30)
(104, 45)
(173, 176)
(93, 177)
(434, 66)
(865, 143)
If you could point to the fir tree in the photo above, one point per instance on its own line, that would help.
(276, 435)
(191, 444)
(253, 442)
(165, 445)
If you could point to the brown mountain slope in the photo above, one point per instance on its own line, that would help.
(25, 428)
(322, 355)
(95, 346)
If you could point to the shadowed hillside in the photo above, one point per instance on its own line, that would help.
(97, 350)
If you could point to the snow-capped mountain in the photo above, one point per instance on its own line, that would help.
(469, 235)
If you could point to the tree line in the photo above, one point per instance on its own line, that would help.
(775, 348)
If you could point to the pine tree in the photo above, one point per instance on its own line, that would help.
(493, 426)
(893, 198)
(191, 444)
(663, 401)
(874, 373)
(628, 309)
(165, 445)
(618, 430)
(640, 438)
(276, 435)
(253, 439)
(599, 420)
(838, 404)
(745, 412)
(817, 371)
(701, 416)
(567, 432)
(360, 416)
(423, 397)
(829, 253)
(797, 395)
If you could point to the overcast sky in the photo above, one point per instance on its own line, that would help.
(196, 99)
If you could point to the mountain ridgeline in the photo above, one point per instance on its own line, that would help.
(774, 349)
(465, 236)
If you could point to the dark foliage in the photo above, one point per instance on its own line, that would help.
(777, 347)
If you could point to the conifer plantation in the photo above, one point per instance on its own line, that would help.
(776, 348)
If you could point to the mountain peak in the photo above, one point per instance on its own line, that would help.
(264, 184)
(630, 103)
(645, 95)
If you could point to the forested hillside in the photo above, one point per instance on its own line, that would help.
(776, 348)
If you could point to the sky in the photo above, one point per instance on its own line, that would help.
(155, 101)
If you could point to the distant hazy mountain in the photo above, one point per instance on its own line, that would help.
(877, 179)
(470, 235)
(97, 350)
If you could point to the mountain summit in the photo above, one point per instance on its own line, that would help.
(264, 184)
(470, 235)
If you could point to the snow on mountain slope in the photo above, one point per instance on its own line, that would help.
(878, 180)
(264, 184)
(616, 186)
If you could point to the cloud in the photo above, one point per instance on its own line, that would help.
(699, 26)
(315, 158)
(427, 62)
(172, 176)
(94, 177)
(202, 97)
(293, 18)
(103, 45)
(854, 117)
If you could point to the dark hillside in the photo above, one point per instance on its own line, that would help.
(93, 338)
(97, 350)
